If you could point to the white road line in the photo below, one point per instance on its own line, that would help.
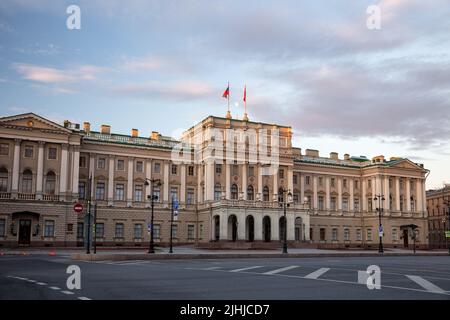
(41, 283)
(124, 263)
(316, 274)
(83, 298)
(211, 268)
(55, 288)
(29, 280)
(280, 270)
(427, 285)
(67, 292)
(244, 269)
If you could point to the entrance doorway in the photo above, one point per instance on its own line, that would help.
(232, 228)
(405, 238)
(266, 229)
(250, 230)
(24, 232)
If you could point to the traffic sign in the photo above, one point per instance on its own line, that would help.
(447, 234)
(175, 204)
(78, 207)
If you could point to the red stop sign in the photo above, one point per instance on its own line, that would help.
(78, 207)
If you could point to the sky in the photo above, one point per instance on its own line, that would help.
(314, 65)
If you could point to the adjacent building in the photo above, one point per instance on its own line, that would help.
(237, 183)
(438, 206)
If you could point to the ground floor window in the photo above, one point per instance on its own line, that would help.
(49, 228)
(119, 230)
(334, 234)
(138, 231)
(394, 234)
(322, 234)
(311, 233)
(99, 230)
(80, 230)
(174, 231)
(2, 227)
(157, 231)
(191, 233)
(369, 234)
(201, 231)
(346, 234)
(358, 235)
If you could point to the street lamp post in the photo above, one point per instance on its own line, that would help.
(171, 226)
(285, 204)
(380, 198)
(152, 197)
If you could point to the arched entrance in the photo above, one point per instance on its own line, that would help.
(281, 227)
(216, 228)
(298, 229)
(232, 228)
(250, 228)
(266, 229)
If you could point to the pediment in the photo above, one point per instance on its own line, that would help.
(406, 164)
(31, 121)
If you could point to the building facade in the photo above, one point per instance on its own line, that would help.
(438, 206)
(237, 183)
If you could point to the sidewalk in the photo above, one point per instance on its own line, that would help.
(189, 252)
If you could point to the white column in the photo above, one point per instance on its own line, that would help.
(315, 200)
(364, 195)
(327, 190)
(209, 180)
(244, 180)
(111, 180)
(166, 183)
(241, 226)
(258, 226)
(130, 181)
(227, 181)
(290, 174)
(408, 195)
(386, 193)
(63, 172)
(92, 173)
(148, 175)
(275, 186)
(290, 226)
(397, 193)
(260, 184)
(274, 226)
(424, 197)
(339, 187)
(302, 188)
(40, 171)
(199, 183)
(351, 201)
(183, 184)
(419, 194)
(223, 235)
(16, 167)
(75, 171)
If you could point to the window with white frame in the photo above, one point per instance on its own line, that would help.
(99, 230)
(138, 231)
(217, 192)
(120, 165)
(28, 151)
(191, 232)
(333, 204)
(345, 203)
(27, 181)
(138, 189)
(394, 234)
(356, 204)
(346, 234)
(307, 180)
(49, 228)
(358, 235)
(139, 166)
(174, 231)
(190, 196)
(321, 206)
(369, 234)
(100, 191)
(157, 231)
(157, 194)
(157, 167)
(174, 193)
(190, 170)
(4, 149)
(3, 179)
(2, 227)
(81, 190)
(334, 234)
(174, 169)
(120, 192)
(218, 168)
(52, 153)
(119, 230)
(101, 163)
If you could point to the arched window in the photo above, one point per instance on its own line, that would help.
(217, 192)
(50, 183)
(27, 181)
(266, 193)
(250, 193)
(234, 192)
(3, 179)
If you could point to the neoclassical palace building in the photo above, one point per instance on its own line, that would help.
(237, 183)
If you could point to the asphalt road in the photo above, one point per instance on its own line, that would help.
(403, 278)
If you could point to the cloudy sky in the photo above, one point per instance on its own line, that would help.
(163, 65)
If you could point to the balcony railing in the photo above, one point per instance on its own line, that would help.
(26, 196)
(5, 195)
(50, 197)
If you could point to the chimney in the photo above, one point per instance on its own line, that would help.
(86, 126)
(346, 156)
(334, 155)
(155, 135)
(312, 153)
(134, 133)
(105, 129)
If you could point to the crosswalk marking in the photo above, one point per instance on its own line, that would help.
(244, 269)
(316, 274)
(83, 298)
(41, 283)
(280, 270)
(54, 288)
(67, 292)
(427, 285)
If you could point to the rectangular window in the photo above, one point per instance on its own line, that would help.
(81, 190)
(369, 204)
(320, 202)
(4, 149)
(174, 169)
(294, 178)
(156, 194)
(234, 170)
(120, 166)
(320, 181)
(334, 234)
(138, 231)
(2, 227)
(191, 232)
(28, 152)
(322, 234)
(99, 230)
(344, 183)
(218, 168)
(119, 230)
(174, 231)
(101, 163)
(358, 235)
(82, 162)
(394, 234)
(281, 173)
(4, 182)
(139, 166)
(120, 189)
(356, 204)
(346, 234)
(190, 196)
(157, 168)
(251, 171)
(191, 170)
(52, 153)
(333, 204)
(80, 230)
(201, 231)
(356, 184)
(332, 182)
(157, 231)
(138, 192)
(345, 204)
(100, 191)
(174, 193)
(307, 180)
(49, 228)
(369, 234)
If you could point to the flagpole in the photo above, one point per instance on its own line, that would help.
(228, 96)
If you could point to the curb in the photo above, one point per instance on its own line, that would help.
(167, 256)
